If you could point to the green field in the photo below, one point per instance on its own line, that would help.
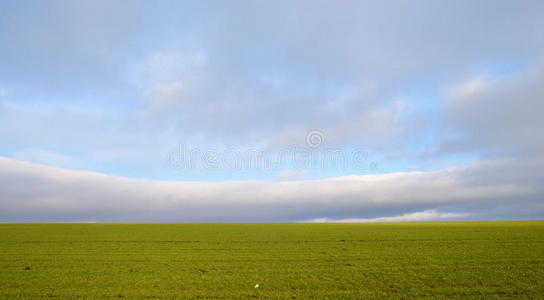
(288, 261)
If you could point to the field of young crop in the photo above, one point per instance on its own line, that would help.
(286, 261)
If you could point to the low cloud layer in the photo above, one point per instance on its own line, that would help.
(426, 215)
(485, 190)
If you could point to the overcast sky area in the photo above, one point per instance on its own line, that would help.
(271, 111)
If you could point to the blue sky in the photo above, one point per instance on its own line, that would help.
(427, 89)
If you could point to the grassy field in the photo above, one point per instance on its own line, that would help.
(288, 261)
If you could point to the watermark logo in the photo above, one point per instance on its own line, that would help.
(315, 139)
(312, 155)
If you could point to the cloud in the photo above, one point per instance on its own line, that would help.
(468, 89)
(116, 85)
(497, 116)
(505, 190)
(422, 216)
(191, 93)
(169, 75)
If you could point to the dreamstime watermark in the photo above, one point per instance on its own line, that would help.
(310, 156)
(315, 139)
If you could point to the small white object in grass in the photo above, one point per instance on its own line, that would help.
(257, 285)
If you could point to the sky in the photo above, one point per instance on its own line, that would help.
(271, 111)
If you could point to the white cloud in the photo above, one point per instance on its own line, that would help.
(468, 88)
(39, 193)
(165, 95)
(422, 216)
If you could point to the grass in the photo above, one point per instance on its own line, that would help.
(288, 261)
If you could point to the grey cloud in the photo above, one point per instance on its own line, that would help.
(497, 117)
(65, 48)
(272, 68)
(39, 193)
(280, 69)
